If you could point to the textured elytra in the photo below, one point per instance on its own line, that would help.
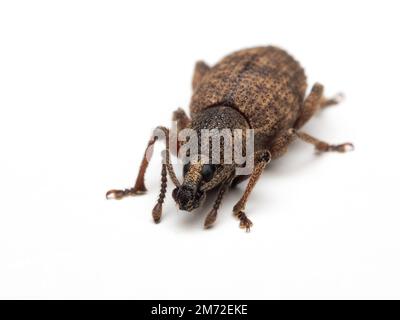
(265, 84)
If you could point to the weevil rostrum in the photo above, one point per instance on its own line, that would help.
(259, 90)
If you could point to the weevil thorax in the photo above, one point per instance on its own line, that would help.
(202, 172)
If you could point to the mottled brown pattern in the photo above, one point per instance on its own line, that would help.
(265, 84)
(218, 118)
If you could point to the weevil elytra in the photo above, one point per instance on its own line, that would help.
(261, 90)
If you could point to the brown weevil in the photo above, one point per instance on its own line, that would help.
(261, 90)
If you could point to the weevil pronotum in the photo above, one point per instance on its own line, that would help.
(259, 90)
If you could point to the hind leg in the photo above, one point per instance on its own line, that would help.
(314, 102)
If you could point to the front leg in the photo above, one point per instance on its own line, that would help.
(181, 118)
(180, 121)
(263, 158)
(139, 187)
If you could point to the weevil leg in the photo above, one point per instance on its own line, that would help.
(181, 118)
(322, 146)
(280, 145)
(332, 101)
(139, 187)
(200, 70)
(212, 215)
(277, 149)
(238, 210)
(314, 102)
(182, 121)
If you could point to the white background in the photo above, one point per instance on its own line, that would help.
(83, 83)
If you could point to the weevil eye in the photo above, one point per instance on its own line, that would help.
(207, 172)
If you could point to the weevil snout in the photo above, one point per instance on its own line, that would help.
(188, 197)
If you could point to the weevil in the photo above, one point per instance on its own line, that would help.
(261, 89)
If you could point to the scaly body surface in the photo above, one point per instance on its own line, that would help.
(260, 89)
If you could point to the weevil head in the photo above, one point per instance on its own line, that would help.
(198, 179)
(202, 173)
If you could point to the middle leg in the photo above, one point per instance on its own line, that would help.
(280, 145)
(322, 146)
